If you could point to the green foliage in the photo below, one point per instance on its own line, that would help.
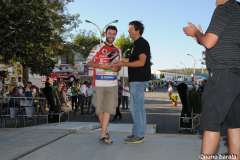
(174, 98)
(162, 75)
(84, 42)
(188, 71)
(63, 23)
(124, 43)
(25, 34)
(4, 74)
(194, 100)
(33, 32)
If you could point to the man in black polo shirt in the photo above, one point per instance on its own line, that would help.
(221, 96)
(139, 73)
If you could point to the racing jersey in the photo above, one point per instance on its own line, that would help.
(104, 53)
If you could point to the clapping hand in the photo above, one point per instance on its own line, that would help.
(191, 30)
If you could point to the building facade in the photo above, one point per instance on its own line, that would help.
(168, 76)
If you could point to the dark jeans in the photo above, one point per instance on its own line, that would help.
(74, 102)
(125, 100)
(81, 100)
(89, 104)
(117, 109)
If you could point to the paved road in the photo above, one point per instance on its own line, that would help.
(159, 111)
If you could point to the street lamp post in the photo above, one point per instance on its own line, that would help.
(101, 32)
(180, 70)
(184, 70)
(123, 66)
(193, 67)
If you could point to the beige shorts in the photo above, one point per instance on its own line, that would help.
(105, 99)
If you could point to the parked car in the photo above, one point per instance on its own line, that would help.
(191, 85)
(64, 75)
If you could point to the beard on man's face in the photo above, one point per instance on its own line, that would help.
(108, 40)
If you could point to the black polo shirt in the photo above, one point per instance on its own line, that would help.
(140, 74)
(225, 24)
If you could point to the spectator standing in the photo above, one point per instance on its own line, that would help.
(125, 96)
(2, 96)
(28, 90)
(201, 88)
(60, 97)
(20, 85)
(170, 90)
(73, 91)
(90, 95)
(42, 106)
(15, 93)
(221, 96)
(152, 87)
(139, 73)
(81, 98)
(68, 95)
(120, 92)
(54, 86)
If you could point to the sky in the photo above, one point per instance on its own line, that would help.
(163, 21)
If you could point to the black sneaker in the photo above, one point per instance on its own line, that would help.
(130, 136)
(134, 140)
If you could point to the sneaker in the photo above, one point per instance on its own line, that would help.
(134, 140)
(130, 136)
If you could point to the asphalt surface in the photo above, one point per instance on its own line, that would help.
(159, 110)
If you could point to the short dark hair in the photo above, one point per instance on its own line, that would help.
(47, 84)
(112, 28)
(85, 82)
(137, 26)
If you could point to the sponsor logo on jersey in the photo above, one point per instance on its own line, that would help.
(104, 51)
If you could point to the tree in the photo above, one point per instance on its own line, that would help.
(162, 75)
(124, 43)
(33, 32)
(63, 23)
(84, 43)
(25, 34)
